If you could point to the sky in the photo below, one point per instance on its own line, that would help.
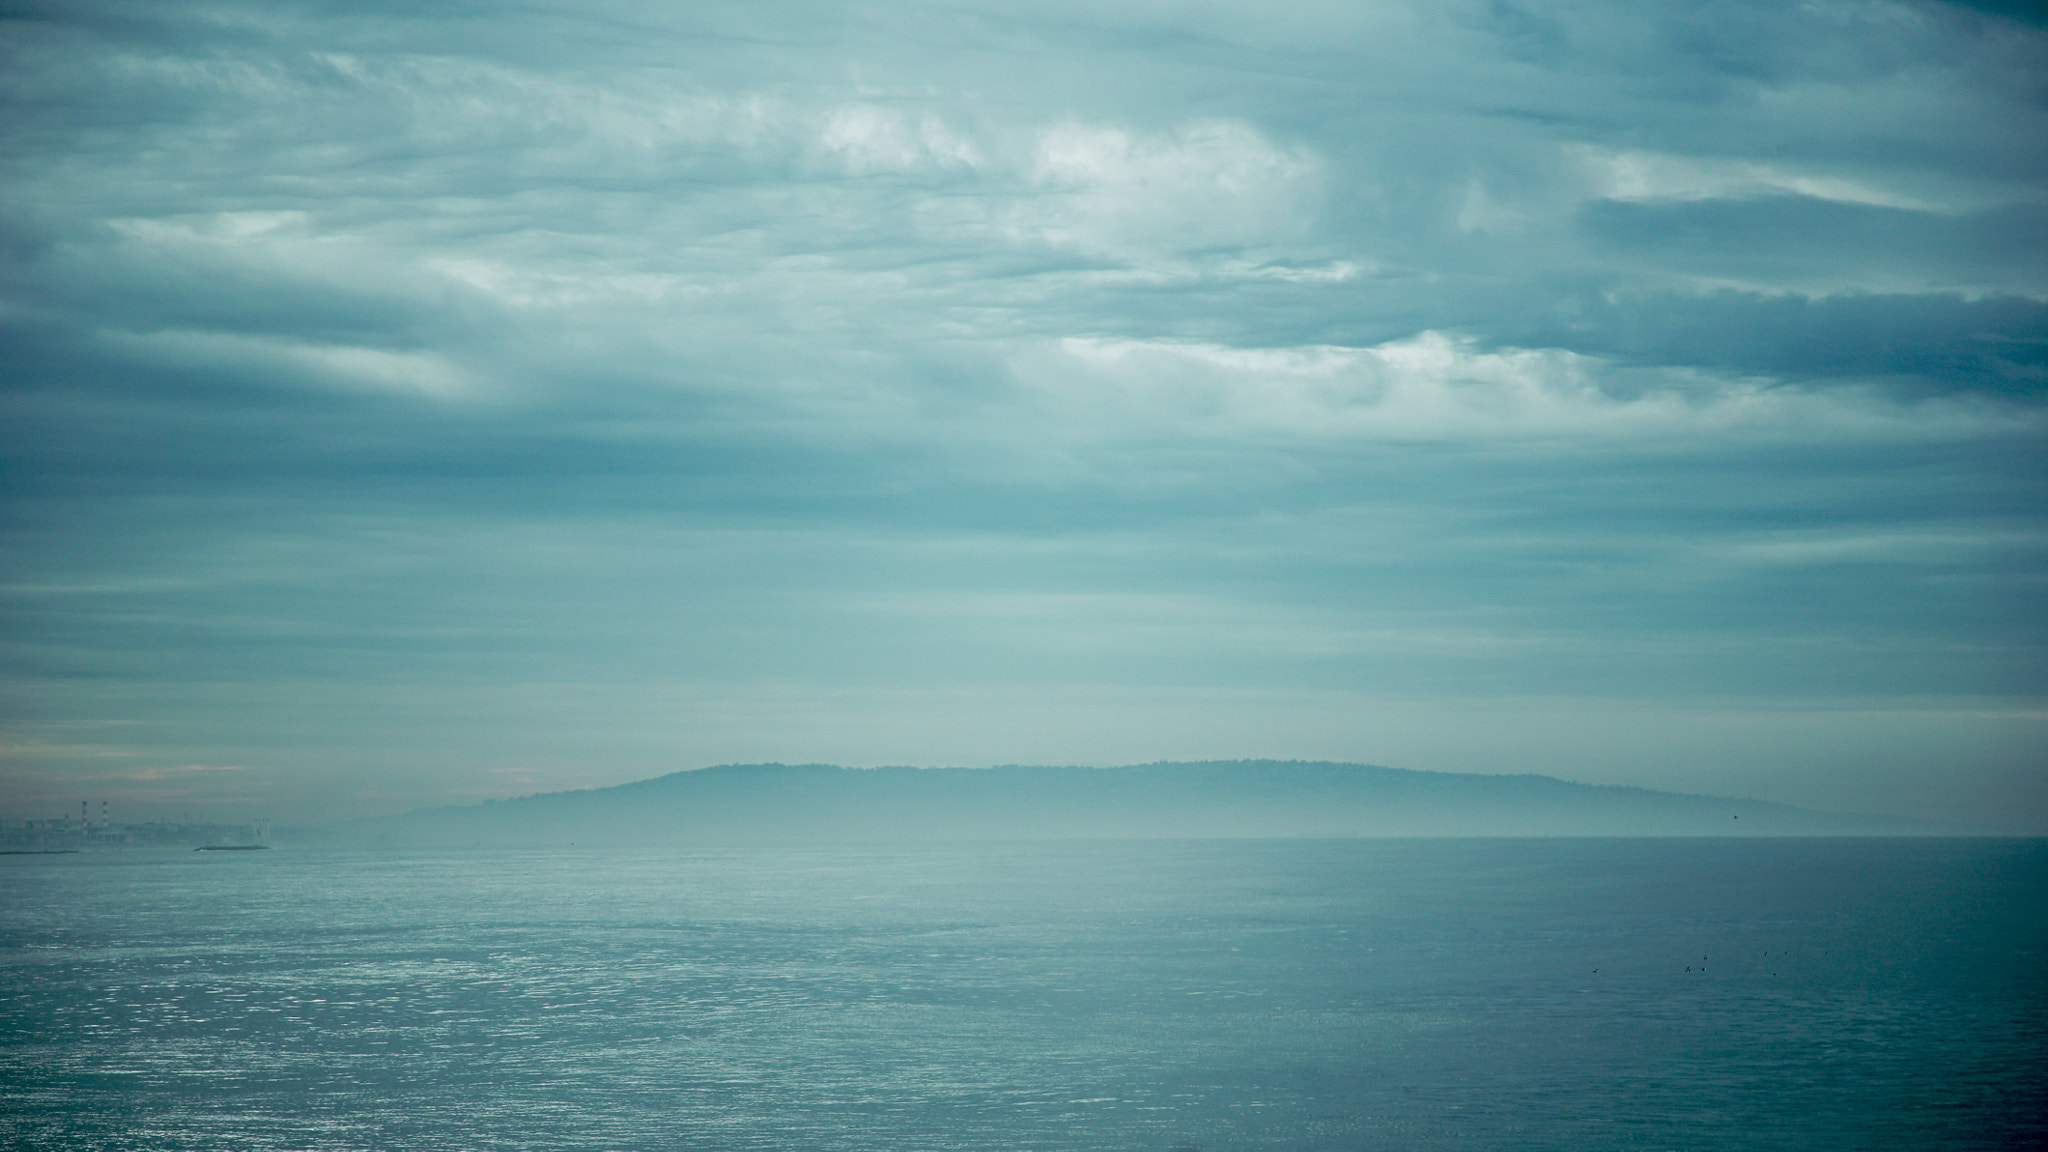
(417, 404)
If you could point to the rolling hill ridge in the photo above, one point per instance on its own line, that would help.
(825, 804)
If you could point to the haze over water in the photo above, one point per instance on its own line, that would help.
(1365, 994)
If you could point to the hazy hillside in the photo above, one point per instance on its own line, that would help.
(817, 803)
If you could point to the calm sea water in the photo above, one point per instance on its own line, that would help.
(1567, 994)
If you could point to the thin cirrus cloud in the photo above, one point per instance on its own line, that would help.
(414, 407)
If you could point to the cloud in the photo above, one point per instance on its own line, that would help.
(479, 390)
(879, 139)
(1921, 343)
(1426, 387)
(1819, 245)
(1435, 388)
(1208, 185)
(1638, 175)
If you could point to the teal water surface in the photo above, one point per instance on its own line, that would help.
(1389, 994)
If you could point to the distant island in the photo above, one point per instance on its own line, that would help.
(740, 804)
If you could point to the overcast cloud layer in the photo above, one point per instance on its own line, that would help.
(405, 409)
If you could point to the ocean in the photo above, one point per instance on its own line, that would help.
(1166, 996)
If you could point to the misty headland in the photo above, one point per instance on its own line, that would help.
(784, 804)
